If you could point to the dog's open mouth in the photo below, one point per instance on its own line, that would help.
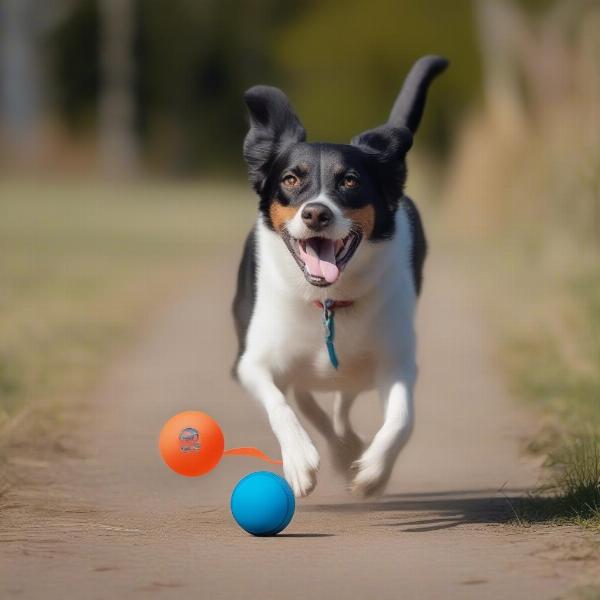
(322, 259)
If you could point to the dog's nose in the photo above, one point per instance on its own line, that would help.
(316, 216)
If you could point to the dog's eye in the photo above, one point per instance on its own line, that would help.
(290, 181)
(350, 182)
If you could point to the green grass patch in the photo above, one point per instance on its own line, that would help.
(586, 592)
(79, 264)
(558, 369)
(572, 493)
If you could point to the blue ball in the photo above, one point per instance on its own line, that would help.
(262, 503)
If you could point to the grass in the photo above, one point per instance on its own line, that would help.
(562, 376)
(587, 592)
(572, 494)
(80, 263)
(524, 195)
(547, 316)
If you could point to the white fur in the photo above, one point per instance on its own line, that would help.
(375, 343)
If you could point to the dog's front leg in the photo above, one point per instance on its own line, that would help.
(300, 457)
(375, 466)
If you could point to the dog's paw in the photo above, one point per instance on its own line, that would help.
(344, 451)
(300, 469)
(300, 457)
(372, 475)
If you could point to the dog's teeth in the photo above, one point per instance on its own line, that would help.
(340, 247)
(343, 250)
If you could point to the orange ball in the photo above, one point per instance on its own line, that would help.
(191, 443)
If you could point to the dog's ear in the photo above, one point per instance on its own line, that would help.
(387, 143)
(388, 146)
(410, 103)
(273, 127)
(394, 139)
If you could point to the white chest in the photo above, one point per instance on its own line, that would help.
(293, 340)
(287, 334)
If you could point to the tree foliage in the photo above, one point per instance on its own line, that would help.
(341, 62)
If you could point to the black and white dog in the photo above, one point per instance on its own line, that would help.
(335, 237)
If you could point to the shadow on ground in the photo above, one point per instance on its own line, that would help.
(447, 509)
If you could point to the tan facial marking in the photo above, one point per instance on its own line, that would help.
(364, 217)
(281, 214)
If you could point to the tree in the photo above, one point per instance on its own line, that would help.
(20, 77)
(117, 138)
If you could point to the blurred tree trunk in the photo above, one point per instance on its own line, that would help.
(118, 143)
(503, 30)
(20, 78)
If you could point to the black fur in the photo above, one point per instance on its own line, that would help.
(419, 243)
(384, 149)
(273, 127)
(245, 295)
(322, 168)
(408, 108)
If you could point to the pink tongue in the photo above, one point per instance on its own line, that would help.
(320, 258)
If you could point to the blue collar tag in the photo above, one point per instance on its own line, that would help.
(329, 324)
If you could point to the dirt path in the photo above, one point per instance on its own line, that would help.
(118, 524)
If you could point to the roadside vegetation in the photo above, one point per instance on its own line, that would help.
(524, 195)
(561, 374)
(79, 265)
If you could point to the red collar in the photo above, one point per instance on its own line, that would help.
(335, 304)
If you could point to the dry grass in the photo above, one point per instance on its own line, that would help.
(524, 196)
(79, 265)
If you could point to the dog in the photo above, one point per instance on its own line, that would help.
(328, 282)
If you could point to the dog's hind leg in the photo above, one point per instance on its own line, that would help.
(374, 467)
(343, 443)
(348, 443)
(342, 404)
(311, 409)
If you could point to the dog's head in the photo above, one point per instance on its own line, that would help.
(325, 200)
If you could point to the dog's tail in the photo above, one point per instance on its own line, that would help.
(408, 108)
